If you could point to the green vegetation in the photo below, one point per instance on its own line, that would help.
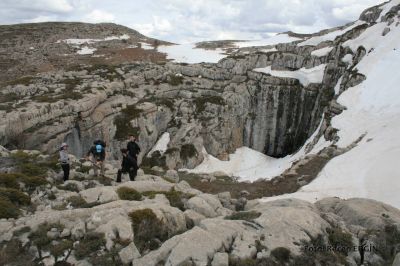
(156, 159)
(7, 209)
(174, 80)
(201, 102)
(126, 193)
(245, 215)
(14, 253)
(282, 254)
(108, 72)
(70, 187)
(176, 198)
(340, 239)
(9, 180)
(59, 249)
(9, 97)
(123, 122)
(15, 196)
(27, 80)
(149, 231)
(91, 243)
(79, 202)
(188, 151)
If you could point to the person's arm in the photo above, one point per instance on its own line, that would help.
(88, 153)
(137, 148)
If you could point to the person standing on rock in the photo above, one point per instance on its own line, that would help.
(98, 153)
(64, 160)
(128, 165)
(132, 147)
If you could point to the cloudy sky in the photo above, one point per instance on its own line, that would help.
(183, 21)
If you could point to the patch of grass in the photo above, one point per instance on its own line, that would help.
(9, 97)
(123, 122)
(32, 169)
(126, 193)
(15, 196)
(174, 80)
(188, 151)
(156, 159)
(340, 239)
(6, 107)
(32, 182)
(149, 231)
(70, 187)
(9, 180)
(14, 253)
(76, 201)
(245, 215)
(59, 249)
(91, 243)
(27, 80)
(22, 231)
(282, 254)
(201, 102)
(176, 198)
(84, 169)
(8, 209)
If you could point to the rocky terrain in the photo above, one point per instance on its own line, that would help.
(161, 220)
(82, 82)
(28, 49)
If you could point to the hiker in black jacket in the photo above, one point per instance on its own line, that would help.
(128, 165)
(132, 147)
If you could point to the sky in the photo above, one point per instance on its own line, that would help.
(183, 21)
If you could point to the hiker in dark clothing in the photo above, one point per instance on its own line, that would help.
(128, 165)
(64, 160)
(132, 147)
(98, 153)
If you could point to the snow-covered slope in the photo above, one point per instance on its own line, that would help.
(373, 108)
(189, 53)
(304, 75)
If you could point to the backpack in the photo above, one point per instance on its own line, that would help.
(99, 148)
(100, 142)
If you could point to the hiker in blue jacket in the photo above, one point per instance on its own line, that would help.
(98, 153)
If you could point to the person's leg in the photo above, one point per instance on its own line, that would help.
(95, 169)
(119, 175)
(67, 172)
(131, 175)
(102, 168)
(63, 166)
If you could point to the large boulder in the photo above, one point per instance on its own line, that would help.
(288, 222)
(207, 205)
(366, 213)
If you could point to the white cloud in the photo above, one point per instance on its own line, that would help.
(186, 21)
(41, 19)
(98, 16)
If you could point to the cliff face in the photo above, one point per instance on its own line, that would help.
(219, 107)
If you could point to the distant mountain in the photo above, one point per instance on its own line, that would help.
(38, 47)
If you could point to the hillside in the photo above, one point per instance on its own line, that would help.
(27, 49)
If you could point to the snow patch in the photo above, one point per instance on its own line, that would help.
(86, 50)
(329, 36)
(304, 75)
(348, 58)
(188, 53)
(250, 165)
(279, 38)
(161, 145)
(268, 50)
(322, 52)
